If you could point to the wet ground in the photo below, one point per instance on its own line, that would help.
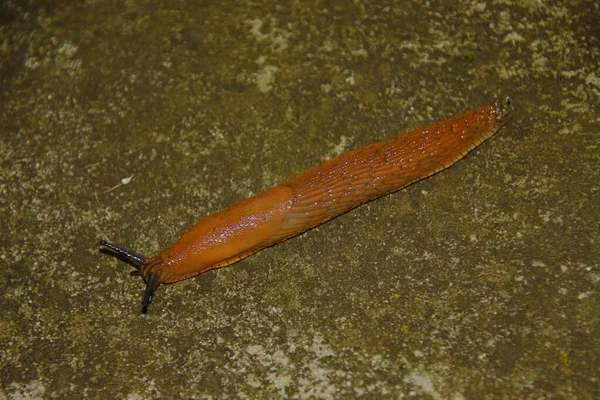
(479, 282)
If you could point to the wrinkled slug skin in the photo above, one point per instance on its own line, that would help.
(322, 193)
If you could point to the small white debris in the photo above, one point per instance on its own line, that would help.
(32, 63)
(123, 182)
(67, 49)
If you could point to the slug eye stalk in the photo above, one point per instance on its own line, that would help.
(137, 261)
(125, 255)
(151, 285)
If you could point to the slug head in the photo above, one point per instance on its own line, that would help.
(141, 264)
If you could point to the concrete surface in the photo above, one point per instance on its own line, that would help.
(480, 282)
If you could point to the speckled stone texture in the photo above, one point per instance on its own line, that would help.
(479, 282)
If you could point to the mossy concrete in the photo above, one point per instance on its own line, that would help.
(479, 282)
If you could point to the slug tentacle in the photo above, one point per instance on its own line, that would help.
(152, 283)
(127, 255)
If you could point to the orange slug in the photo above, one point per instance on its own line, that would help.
(316, 196)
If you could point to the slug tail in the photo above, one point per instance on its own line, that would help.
(504, 110)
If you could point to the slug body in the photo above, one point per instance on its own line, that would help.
(318, 195)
